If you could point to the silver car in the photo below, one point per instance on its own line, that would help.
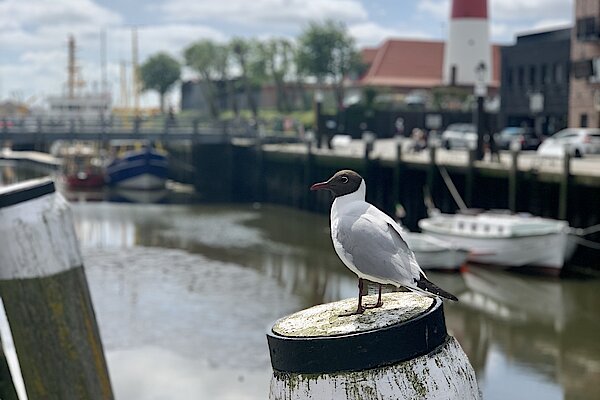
(575, 141)
(463, 136)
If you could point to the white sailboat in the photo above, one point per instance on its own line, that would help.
(504, 239)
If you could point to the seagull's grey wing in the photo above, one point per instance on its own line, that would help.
(377, 250)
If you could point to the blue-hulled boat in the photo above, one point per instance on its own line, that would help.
(137, 166)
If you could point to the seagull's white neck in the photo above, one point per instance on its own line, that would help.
(342, 201)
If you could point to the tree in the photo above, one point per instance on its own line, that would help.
(249, 60)
(208, 60)
(279, 56)
(327, 52)
(159, 73)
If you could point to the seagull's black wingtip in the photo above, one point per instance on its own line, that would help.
(426, 285)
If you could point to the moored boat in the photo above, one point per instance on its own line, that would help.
(434, 253)
(82, 166)
(137, 166)
(506, 240)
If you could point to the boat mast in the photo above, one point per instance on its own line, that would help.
(135, 74)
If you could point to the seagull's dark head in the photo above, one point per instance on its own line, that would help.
(343, 182)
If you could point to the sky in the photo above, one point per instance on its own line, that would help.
(34, 33)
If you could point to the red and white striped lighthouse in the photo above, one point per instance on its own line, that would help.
(468, 43)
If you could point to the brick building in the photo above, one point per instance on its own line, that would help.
(584, 107)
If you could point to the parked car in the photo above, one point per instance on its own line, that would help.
(524, 138)
(460, 135)
(576, 141)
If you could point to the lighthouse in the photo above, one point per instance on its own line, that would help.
(468, 44)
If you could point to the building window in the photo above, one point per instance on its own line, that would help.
(521, 76)
(544, 79)
(509, 76)
(587, 28)
(558, 73)
(583, 121)
(532, 75)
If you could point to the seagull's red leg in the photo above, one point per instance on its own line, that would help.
(360, 309)
(379, 302)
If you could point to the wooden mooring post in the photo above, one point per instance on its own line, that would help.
(308, 200)
(46, 297)
(470, 177)
(398, 351)
(563, 198)
(431, 169)
(398, 167)
(513, 180)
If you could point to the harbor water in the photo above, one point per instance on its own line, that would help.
(184, 292)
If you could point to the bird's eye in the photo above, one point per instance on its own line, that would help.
(344, 179)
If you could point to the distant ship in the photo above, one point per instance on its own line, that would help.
(137, 165)
(85, 107)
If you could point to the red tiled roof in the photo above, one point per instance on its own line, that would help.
(368, 54)
(412, 63)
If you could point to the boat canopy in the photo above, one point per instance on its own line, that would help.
(491, 225)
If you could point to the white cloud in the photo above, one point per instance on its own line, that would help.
(34, 13)
(259, 12)
(530, 9)
(372, 34)
(552, 24)
(170, 38)
(438, 9)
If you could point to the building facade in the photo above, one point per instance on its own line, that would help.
(584, 110)
(534, 88)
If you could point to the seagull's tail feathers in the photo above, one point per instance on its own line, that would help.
(429, 288)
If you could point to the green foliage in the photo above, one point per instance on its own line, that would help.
(278, 56)
(326, 50)
(159, 73)
(247, 57)
(211, 61)
(201, 56)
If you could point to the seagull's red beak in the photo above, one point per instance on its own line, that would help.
(321, 185)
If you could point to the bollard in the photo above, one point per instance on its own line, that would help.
(398, 351)
(563, 195)
(513, 181)
(46, 296)
(470, 177)
(431, 169)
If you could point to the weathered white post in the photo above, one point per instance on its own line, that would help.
(46, 297)
(398, 351)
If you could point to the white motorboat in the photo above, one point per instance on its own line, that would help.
(504, 239)
(434, 253)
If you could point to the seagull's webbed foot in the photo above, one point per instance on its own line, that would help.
(358, 311)
(376, 305)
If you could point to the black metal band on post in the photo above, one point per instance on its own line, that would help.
(25, 191)
(360, 351)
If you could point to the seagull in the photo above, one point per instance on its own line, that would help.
(370, 243)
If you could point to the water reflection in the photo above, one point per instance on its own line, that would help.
(540, 334)
(527, 337)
